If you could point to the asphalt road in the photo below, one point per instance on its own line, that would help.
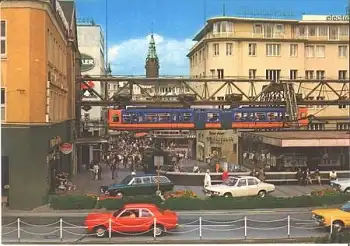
(215, 226)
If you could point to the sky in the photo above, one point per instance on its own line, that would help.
(175, 23)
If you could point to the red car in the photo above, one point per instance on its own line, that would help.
(137, 217)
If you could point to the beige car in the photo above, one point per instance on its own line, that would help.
(240, 186)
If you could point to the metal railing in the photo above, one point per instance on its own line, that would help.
(63, 231)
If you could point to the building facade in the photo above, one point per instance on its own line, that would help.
(315, 47)
(92, 48)
(38, 70)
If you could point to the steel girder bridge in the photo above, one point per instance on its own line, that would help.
(189, 91)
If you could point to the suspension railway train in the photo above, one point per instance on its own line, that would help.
(198, 119)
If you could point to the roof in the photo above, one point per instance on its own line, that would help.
(138, 205)
(68, 8)
(304, 135)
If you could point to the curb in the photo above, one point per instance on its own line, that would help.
(198, 241)
(72, 213)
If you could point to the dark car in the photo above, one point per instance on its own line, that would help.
(138, 185)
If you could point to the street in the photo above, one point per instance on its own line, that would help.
(268, 224)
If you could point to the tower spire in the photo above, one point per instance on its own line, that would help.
(152, 62)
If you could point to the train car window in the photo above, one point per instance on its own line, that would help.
(272, 116)
(213, 117)
(244, 116)
(164, 117)
(281, 116)
(151, 117)
(186, 117)
(135, 117)
(174, 117)
(238, 116)
(260, 116)
(127, 118)
(251, 116)
(115, 118)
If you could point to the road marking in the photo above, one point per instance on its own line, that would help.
(72, 227)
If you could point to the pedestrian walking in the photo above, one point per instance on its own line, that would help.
(113, 169)
(207, 179)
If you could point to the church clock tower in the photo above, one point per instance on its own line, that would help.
(152, 62)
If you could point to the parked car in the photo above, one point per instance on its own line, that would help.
(240, 186)
(132, 218)
(342, 185)
(138, 185)
(338, 217)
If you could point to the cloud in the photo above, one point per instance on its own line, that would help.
(128, 57)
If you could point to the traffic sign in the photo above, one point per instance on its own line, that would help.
(66, 148)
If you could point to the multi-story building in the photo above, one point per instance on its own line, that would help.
(315, 47)
(92, 48)
(38, 71)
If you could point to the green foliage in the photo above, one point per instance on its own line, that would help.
(65, 202)
(195, 203)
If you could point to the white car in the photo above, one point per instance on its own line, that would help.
(240, 186)
(342, 185)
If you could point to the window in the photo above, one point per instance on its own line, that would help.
(293, 50)
(200, 56)
(131, 213)
(323, 31)
(273, 74)
(3, 32)
(229, 49)
(320, 50)
(302, 31)
(333, 33)
(344, 31)
(242, 182)
(268, 30)
(342, 74)
(252, 73)
(145, 213)
(161, 179)
(257, 29)
(137, 181)
(229, 26)
(293, 74)
(252, 49)
(310, 51)
(320, 98)
(343, 50)
(252, 181)
(309, 74)
(3, 103)
(216, 49)
(146, 180)
(273, 49)
(311, 31)
(213, 117)
(212, 71)
(320, 74)
(279, 28)
(316, 126)
(220, 73)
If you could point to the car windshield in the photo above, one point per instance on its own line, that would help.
(126, 180)
(346, 207)
(231, 181)
(116, 213)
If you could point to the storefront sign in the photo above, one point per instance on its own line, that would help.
(87, 63)
(66, 148)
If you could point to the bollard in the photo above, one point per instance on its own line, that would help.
(331, 229)
(154, 228)
(61, 230)
(288, 226)
(19, 229)
(245, 227)
(110, 229)
(200, 228)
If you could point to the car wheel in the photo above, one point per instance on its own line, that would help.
(347, 190)
(159, 229)
(262, 193)
(100, 231)
(338, 226)
(227, 194)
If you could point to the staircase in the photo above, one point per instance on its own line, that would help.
(291, 104)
